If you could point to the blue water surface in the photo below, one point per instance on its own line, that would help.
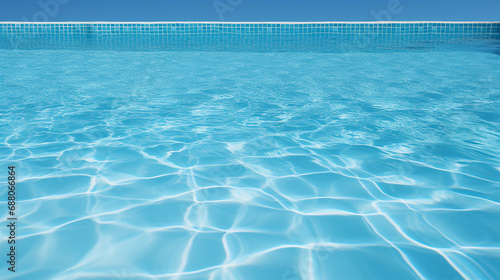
(253, 165)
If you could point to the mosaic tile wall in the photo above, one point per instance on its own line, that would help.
(228, 36)
(250, 28)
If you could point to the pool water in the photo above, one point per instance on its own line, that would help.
(253, 165)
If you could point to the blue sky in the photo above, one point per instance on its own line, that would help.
(248, 10)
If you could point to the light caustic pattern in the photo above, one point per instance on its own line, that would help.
(240, 165)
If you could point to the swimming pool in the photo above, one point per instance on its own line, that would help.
(252, 151)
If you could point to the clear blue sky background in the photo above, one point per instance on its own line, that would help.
(249, 10)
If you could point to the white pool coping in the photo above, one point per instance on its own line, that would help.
(238, 22)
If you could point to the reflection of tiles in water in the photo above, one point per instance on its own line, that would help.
(331, 43)
(169, 165)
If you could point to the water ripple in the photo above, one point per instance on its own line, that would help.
(222, 165)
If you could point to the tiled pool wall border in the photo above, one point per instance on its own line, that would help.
(482, 29)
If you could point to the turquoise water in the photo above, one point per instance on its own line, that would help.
(251, 165)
